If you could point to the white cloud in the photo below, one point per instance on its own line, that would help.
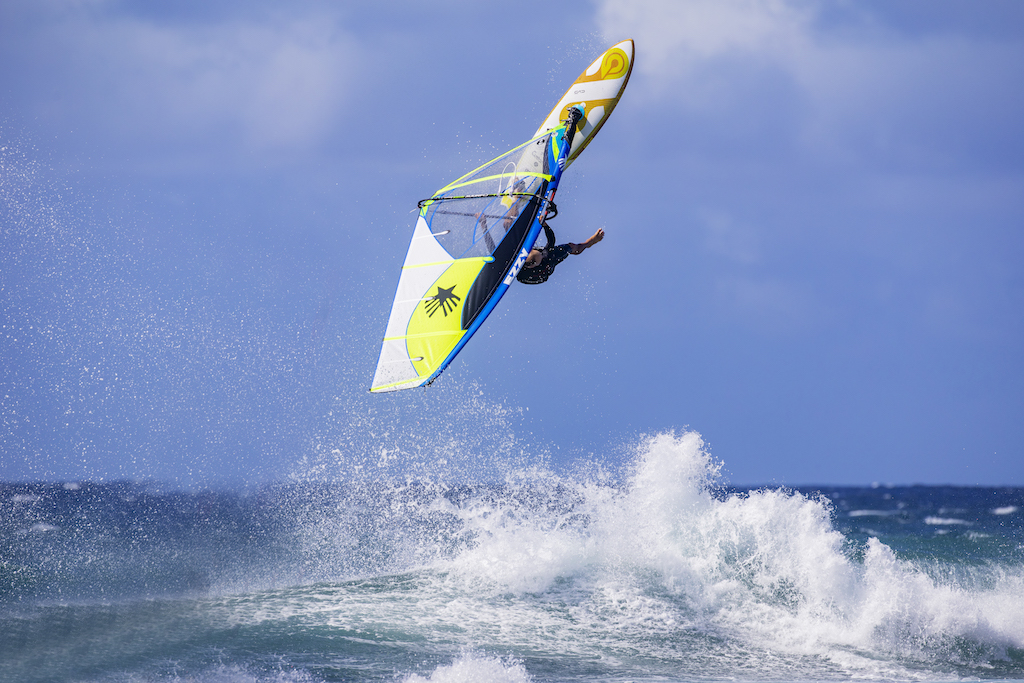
(678, 40)
(855, 87)
(261, 85)
(674, 33)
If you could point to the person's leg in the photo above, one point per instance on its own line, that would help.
(591, 241)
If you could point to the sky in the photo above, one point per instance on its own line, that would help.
(814, 216)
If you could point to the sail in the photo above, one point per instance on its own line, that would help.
(470, 238)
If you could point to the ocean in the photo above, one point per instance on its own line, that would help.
(656, 571)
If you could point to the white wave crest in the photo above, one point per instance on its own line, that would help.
(472, 668)
(661, 553)
(659, 565)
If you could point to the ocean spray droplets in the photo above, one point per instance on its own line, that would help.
(662, 567)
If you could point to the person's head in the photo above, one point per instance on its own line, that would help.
(534, 259)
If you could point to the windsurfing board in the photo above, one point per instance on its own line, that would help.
(475, 233)
(599, 88)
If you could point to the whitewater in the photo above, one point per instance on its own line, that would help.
(654, 572)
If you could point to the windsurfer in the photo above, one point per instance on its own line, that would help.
(541, 262)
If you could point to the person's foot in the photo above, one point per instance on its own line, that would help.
(594, 239)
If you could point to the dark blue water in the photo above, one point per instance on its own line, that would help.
(658, 574)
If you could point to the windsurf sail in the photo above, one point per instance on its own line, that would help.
(471, 238)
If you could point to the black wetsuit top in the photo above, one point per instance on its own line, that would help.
(552, 257)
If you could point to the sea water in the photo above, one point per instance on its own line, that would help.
(655, 572)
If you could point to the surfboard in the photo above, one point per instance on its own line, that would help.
(598, 88)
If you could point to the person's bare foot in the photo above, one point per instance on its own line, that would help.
(594, 239)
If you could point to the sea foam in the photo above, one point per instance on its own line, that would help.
(472, 668)
(663, 551)
(653, 571)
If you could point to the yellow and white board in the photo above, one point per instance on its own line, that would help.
(599, 88)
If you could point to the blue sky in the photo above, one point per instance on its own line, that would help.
(814, 217)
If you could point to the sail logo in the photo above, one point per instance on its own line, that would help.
(520, 260)
(446, 300)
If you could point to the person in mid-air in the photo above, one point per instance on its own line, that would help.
(541, 262)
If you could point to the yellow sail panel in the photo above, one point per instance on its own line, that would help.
(435, 327)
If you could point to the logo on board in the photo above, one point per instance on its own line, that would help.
(614, 64)
(446, 300)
